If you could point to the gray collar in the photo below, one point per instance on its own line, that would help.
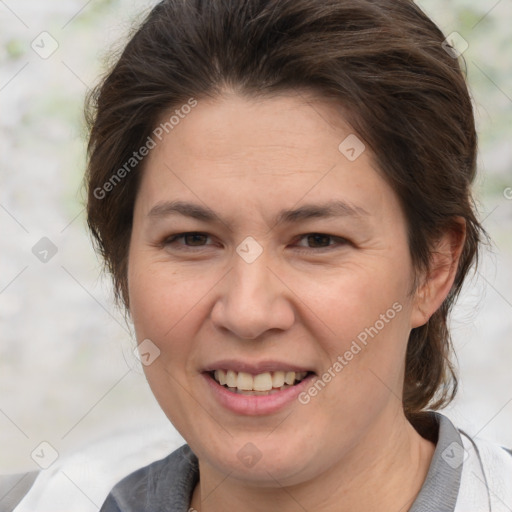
(441, 487)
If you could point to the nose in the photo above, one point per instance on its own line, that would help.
(252, 301)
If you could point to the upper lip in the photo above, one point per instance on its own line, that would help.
(255, 368)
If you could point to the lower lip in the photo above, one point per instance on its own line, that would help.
(254, 405)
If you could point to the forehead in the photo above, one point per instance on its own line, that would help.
(278, 151)
(271, 127)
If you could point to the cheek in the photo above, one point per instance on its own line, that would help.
(169, 308)
(361, 317)
(349, 300)
(167, 311)
(158, 297)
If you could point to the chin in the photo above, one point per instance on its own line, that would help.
(263, 459)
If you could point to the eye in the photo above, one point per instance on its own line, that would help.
(307, 241)
(191, 239)
(320, 241)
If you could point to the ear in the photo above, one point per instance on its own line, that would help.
(438, 280)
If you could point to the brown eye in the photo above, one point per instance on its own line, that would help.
(320, 241)
(195, 239)
(192, 239)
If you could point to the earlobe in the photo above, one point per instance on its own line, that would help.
(438, 280)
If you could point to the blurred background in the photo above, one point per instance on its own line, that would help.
(68, 375)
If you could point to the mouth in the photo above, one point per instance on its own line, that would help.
(261, 384)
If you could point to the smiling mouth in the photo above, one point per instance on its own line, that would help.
(266, 383)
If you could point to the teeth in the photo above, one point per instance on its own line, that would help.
(277, 379)
(220, 377)
(245, 381)
(289, 378)
(263, 382)
(231, 378)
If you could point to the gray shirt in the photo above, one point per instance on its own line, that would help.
(167, 485)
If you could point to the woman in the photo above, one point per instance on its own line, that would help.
(281, 191)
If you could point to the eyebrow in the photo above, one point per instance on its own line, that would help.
(335, 208)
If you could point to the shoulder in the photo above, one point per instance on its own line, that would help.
(484, 469)
(465, 473)
(13, 488)
(168, 481)
(486, 475)
(82, 479)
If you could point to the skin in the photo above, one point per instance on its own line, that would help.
(350, 447)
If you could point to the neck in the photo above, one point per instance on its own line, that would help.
(375, 475)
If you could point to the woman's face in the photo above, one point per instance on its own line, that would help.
(296, 260)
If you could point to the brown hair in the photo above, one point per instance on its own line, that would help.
(384, 63)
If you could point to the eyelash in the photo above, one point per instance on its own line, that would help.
(338, 241)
